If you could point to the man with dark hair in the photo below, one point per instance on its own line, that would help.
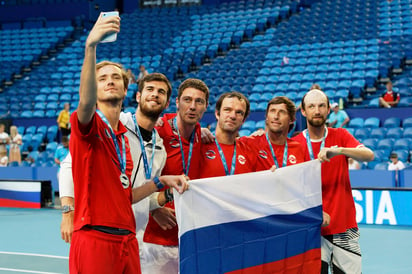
(182, 139)
(227, 155)
(274, 147)
(332, 146)
(104, 237)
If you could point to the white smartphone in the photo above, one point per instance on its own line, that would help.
(111, 37)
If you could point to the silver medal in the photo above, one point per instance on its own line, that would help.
(124, 180)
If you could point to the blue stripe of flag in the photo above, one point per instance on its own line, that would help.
(20, 195)
(237, 245)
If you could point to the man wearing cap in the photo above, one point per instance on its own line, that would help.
(338, 118)
(395, 164)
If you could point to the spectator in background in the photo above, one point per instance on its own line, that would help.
(395, 164)
(353, 164)
(389, 98)
(63, 121)
(16, 140)
(338, 117)
(143, 73)
(4, 141)
(131, 76)
(62, 151)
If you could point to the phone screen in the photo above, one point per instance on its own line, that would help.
(111, 37)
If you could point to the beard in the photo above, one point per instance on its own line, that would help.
(317, 123)
(152, 114)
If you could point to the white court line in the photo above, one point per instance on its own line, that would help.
(34, 254)
(27, 271)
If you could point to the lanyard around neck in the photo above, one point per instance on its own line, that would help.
(222, 157)
(309, 144)
(189, 158)
(285, 152)
(121, 158)
(147, 166)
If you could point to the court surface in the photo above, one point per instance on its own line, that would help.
(30, 243)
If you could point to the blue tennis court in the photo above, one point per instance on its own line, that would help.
(30, 243)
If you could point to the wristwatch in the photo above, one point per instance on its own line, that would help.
(67, 208)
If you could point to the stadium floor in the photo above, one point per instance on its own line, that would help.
(30, 243)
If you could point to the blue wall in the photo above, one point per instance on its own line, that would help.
(31, 173)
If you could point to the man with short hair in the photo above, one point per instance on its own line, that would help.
(182, 138)
(332, 146)
(395, 163)
(104, 237)
(389, 98)
(227, 155)
(274, 147)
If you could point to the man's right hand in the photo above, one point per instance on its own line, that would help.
(66, 226)
(103, 27)
(165, 217)
(179, 182)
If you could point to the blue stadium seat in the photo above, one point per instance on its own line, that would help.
(371, 122)
(403, 144)
(379, 133)
(374, 103)
(405, 102)
(52, 133)
(371, 143)
(362, 133)
(407, 122)
(381, 155)
(244, 132)
(395, 133)
(51, 147)
(36, 141)
(261, 124)
(386, 144)
(381, 166)
(26, 139)
(250, 125)
(407, 132)
(356, 122)
(31, 130)
(392, 122)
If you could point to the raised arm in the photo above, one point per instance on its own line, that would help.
(88, 82)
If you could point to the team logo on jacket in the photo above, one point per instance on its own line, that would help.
(292, 159)
(210, 154)
(174, 143)
(263, 154)
(241, 159)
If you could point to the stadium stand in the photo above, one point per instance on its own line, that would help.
(262, 48)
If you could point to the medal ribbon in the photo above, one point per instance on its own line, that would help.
(309, 144)
(189, 158)
(285, 153)
(147, 166)
(222, 157)
(121, 158)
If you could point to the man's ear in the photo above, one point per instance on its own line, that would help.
(303, 112)
(138, 96)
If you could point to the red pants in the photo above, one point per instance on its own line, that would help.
(93, 252)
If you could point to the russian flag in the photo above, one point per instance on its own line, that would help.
(262, 222)
(20, 194)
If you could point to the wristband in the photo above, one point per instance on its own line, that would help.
(168, 195)
(157, 182)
